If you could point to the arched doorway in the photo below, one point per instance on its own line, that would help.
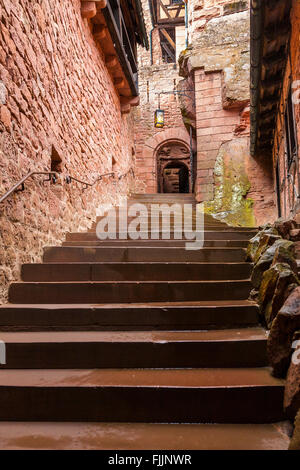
(176, 178)
(173, 167)
(155, 156)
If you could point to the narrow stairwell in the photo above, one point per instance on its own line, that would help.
(138, 344)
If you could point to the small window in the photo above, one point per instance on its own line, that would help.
(290, 133)
(56, 160)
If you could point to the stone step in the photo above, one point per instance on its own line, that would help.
(208, 236)
(141, 436)
(139, 254)
(146, 224)
(170, 236)
(140, 395)
(174, 216)
(191, 205)
(139, 349)
(51, 272)
(157, 243)
(162, 197)
(124, 292)
(110, 317)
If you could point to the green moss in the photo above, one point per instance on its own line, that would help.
(232, 185)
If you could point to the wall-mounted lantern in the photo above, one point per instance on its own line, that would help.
(159, 118)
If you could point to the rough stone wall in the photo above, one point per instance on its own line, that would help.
(54, 90)
(200, 12)
(153, 79)
(289, 204)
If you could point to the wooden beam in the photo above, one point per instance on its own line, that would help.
(101, 3)
(275, 58)
(275, 81)
(160, 4)
(277, 30)
(88, 9)
(269, 101)
(267, 129)
(99, 31)
(119, 82)
(168, 51)
(129, 100)
(268, 115)
(168, 37)
(118, 45)
(111, 61)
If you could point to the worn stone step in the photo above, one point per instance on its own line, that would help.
(178, 217)
(139, 349)
(211, 236)
(171, 271)
(139, 254)
(141, 436)
(156, 243)
(110, 317)
(159, 235)
(141, 395)
(123, 291)
(147, 224)
(162, 196)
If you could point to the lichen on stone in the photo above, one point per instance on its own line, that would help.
(230, 202)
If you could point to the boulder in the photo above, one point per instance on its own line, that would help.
(254, 243)
(292, 389)
(252, 247)
(266, 240)
(287, 253)
(280, 340)
(285, 226)
(295, 441)
(276, 285)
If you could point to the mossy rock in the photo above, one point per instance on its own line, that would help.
(286, 323)
(266, 240)
(267, 258)
(231, 203)
(277, 283)
(255, 241)
(285, 226)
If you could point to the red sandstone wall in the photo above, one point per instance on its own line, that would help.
(54, 89)
(290, 187)
(215, 125)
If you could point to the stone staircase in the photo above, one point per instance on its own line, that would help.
(124, 344)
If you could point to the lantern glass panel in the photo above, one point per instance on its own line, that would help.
(159, 119)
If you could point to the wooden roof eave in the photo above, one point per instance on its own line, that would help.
(270, 28)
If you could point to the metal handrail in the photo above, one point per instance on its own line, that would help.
(52, 177)
(69, 180)
(126, 174)
(51, 174)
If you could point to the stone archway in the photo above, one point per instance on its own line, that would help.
(173, 167)
(149, 158)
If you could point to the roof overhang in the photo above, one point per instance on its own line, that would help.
(142, 31)
(270, 33)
